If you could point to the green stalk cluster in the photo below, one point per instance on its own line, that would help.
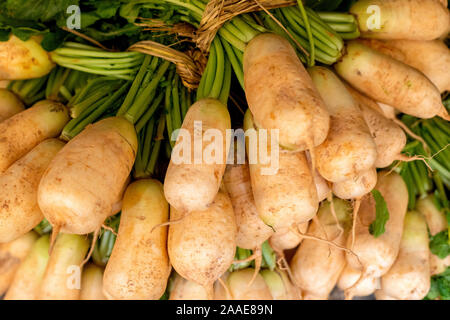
(268, 258)
(89, 59)
(419, 180)
(105, 242)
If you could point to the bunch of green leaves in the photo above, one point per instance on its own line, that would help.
(440, 286)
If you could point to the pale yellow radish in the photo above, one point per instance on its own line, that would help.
(409, 276)
(183, 289)
(194, 174)
(390, 81)
(378, 254)
(381, 295)
(238, 284)
(356, 187)
(202, 244)
(10, 104)
(354, 284)
(401, 19)
(281, 95)
(29, 276)
(11, 256)
(23, 131)
(285, 239)
(92, 283)
(287, 195)
(62, 277)
(316, 265)
(19, 210)
(139, 265)
(84, 182)
(281, 288)
(349, 148)
(23, 59)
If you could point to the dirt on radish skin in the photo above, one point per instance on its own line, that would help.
(139, 267)
(202, 244)
(84, 182)
(11, 256)
(281, 95)
(19, 185)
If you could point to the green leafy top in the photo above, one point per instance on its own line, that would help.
(376, 228)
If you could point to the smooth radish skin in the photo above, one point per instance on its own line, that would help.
(390, 81)
(402, 19)
(432, 58)
(289, 196)
(202, 245)
(409, 277)
(10, 104)
(251, 230)
(19, 186)
(350, 282)
(139, 265)
(281, 95)
(28, 278)
(62, 278)
(92, 283)
(11, 256)
(316, 265)
(436, 222)
(85, 180)
(23, 131)
(183, 289)
(279, 285)
(238, 284)
(285, 239)
(378, 254)
(349, 148)
(193, 186)
(389, 138)
(381, 295)
(356, 187)
(23, 59)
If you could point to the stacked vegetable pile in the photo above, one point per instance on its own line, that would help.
(96, 204)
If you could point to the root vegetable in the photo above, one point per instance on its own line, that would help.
(286, 239)
(401, 19)
(29, 276)
(409, 277)
(378, 254)
(279, 285)
(187, 290)
(251, 230)
(323, 190)
(62, 278)
(436, 222)
(193, 186)
(350, 282)
(23, 131)
(11, 256)
(432, 58)
(349, 148)
(92, 283)
(19, 210)
(202, 244)
(10, 104)
(85, 180)
(316, 266)
(238, 284)
(281, 95)
(289, 196)
(356, 187)
(381, 295)
(391, 82)
(139, 264)
(23, 59)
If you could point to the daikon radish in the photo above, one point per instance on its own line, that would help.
(238, 284)
(285, 239)
(19, 210)
(281, 95)
(86, 179)
(92, 283)
(279, 285)
(191, 184)
(356, 187)
(409, 276)
(10, 104)
(353, 285)
(139, 265)
(187, 290)
(23, 131)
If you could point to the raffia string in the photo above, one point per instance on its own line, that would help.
(217, 12)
